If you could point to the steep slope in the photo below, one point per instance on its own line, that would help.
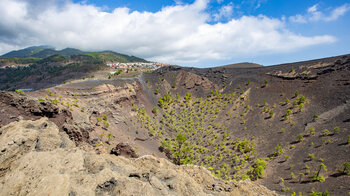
(293, 116)
(285, 126)
(37, 159)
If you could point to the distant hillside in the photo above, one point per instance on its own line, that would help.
(26, 52)
(67, 52)
(242, 65)
(115, 57)
(42, 52)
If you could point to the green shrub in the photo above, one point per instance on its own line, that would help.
(279, 150)
(326, 132)
(292, 175)
(271, 113)
(288, 112)
(258, 169)
(336, 130)
(155, 110)
(312, 131)
(300, 137)
(19, 92)
(301, 100)
(311, 156)
(285, 189)
(325, 193)
(106, 124)
(319, 178)
(295, 103)
(346, 169)
(287, 101)
(188, 97)
(296, 93)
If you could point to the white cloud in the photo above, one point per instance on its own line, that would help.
(337, 12)
(314, 15)
(176, 34)
(224, 12)
(312, 8)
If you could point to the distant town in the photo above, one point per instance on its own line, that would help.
(151, 65)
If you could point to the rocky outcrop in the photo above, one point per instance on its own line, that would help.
(37, 159)
(124, 150)
(190, 81)
(14, 107)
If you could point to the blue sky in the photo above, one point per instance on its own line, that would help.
(197, 33)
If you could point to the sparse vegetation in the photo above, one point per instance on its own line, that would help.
(336, 130)
(257, 171)
(19, 92)
(226, 128)
(300, 137)
(326, 132)
(265, 83)
(296, 93)
(311, 156)
(346, 168)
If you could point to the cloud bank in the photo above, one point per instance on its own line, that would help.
(179, 34)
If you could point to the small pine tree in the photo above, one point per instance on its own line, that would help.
(336, 130)
(326, 132)
(292, 175)
(300, 137)
(346, 169)
(311, 156)
(155, 110)
(271, 113)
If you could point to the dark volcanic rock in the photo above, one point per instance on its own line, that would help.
(124, 150)
(15, 107)
(76, 133)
